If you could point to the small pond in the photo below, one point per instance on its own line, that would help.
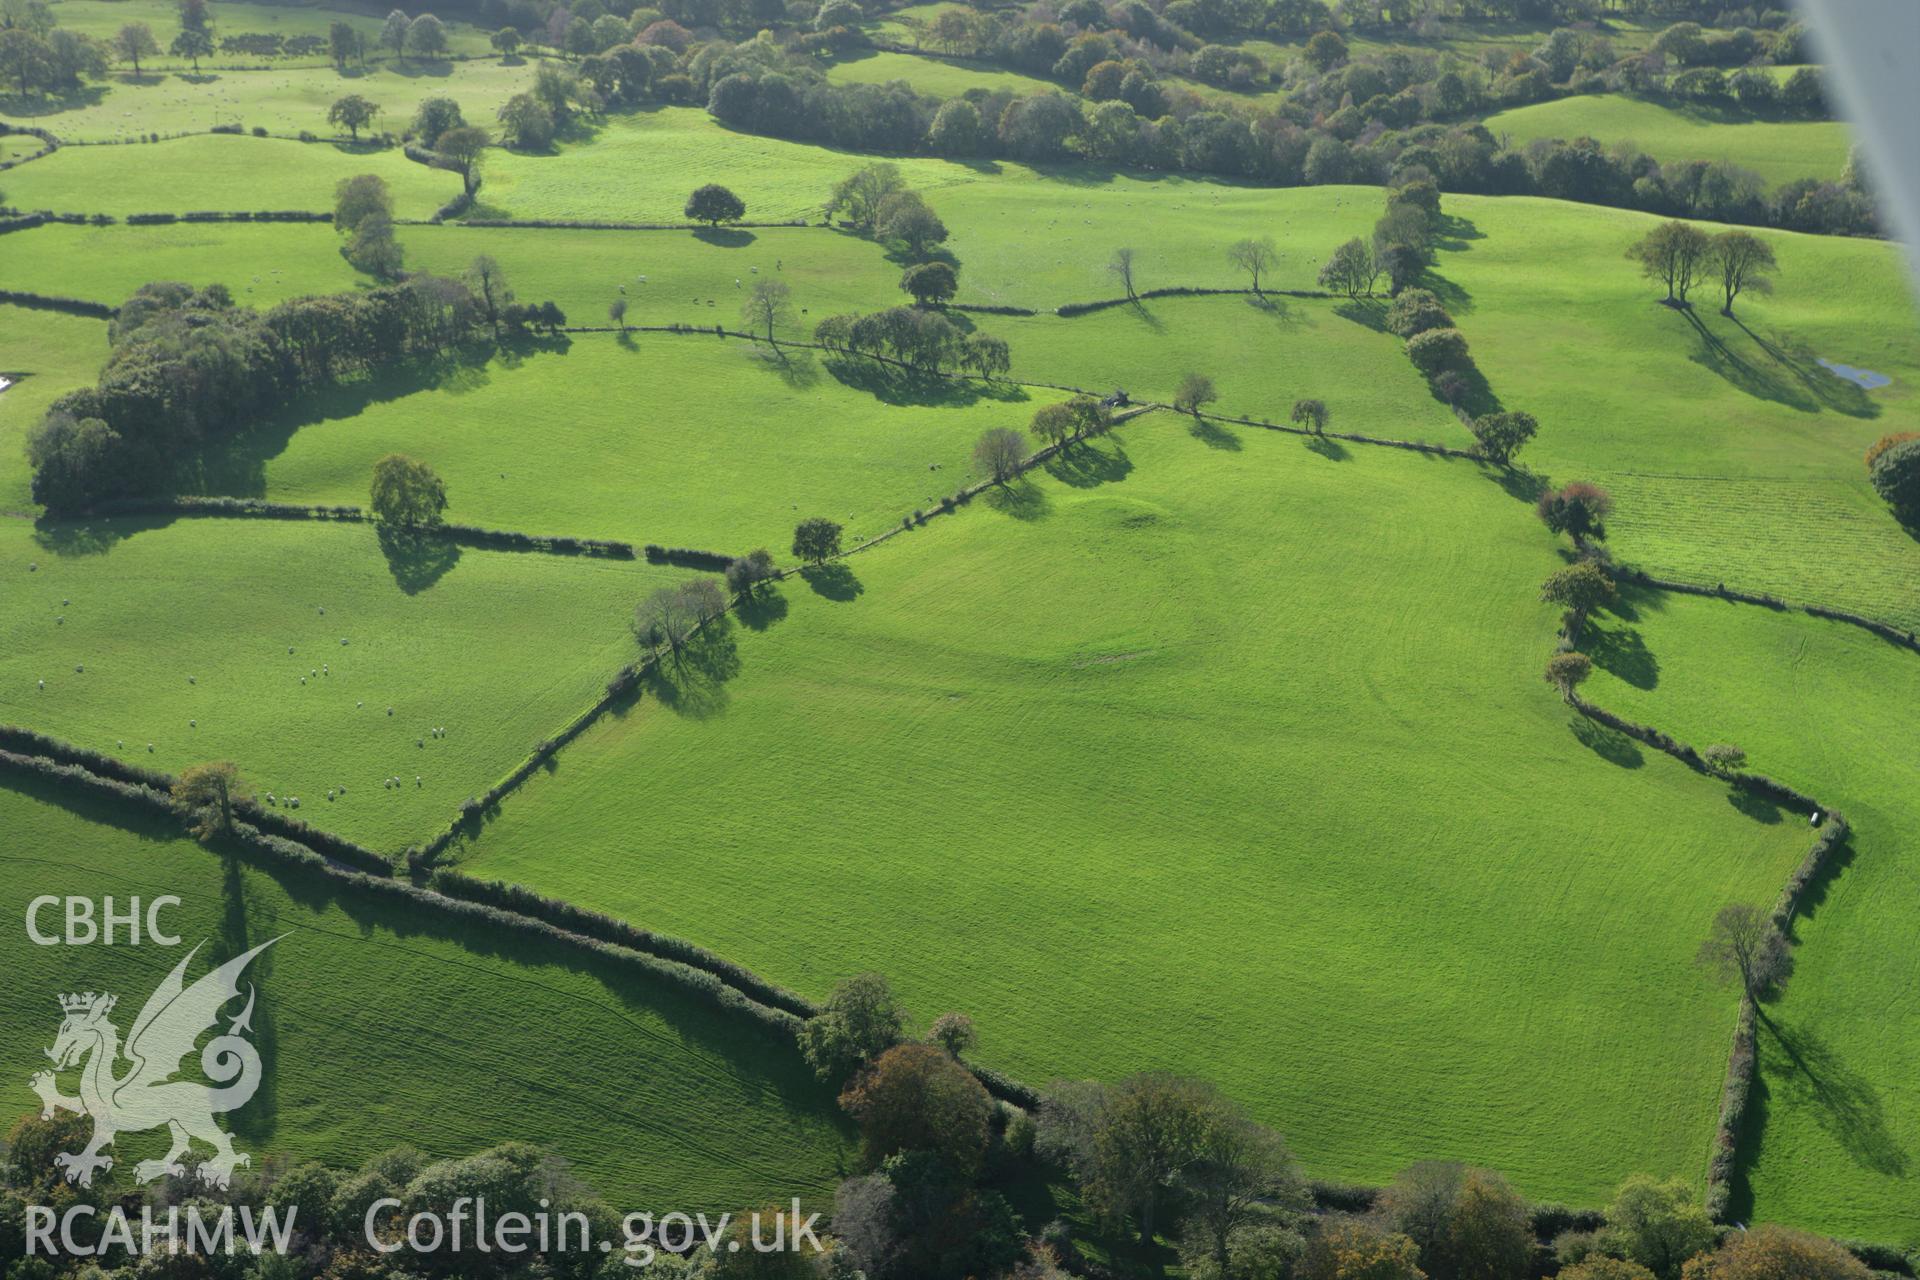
(1866, 378)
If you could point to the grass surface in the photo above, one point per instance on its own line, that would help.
(932, 75)
(102, 18)
(222, 173)
(379, 1026)
(684, 441)
(499, 648)
(285, 100)
(1828, 708)
(1778, 150)
(1732, 454)
(1152, 767)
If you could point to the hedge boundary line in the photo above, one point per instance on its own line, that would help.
(1068, 310)
(466, 535)
(293, 854)
(1352, 437)
(22, 740)
(570, 224)
(1736, 1087)
(1900, 636)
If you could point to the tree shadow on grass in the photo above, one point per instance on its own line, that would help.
(1214, 435)
(1022, 499)
(1810, 1074)
(93, 535)
(1752, 804)
(1829, 388)
(1368, 313)
(1455, 234)
(833, 580)
(692, 682)
(1608, 743)
(1090, 463)
(766, 606)
(891, 384)
(20, 107)
(1453, 297)
(1746, 376)
(235, 939)
(1621, 651)
(1329, 448)
(724, 237)
(417, 560)
(794, 366)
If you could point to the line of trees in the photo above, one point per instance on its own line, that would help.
(1680, 256)
(924, 340)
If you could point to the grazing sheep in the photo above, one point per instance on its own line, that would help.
(43, 684)
(419, 742)
(149, 748)
(65, 603)
(303, 679)
(59, 622)
(79, 669)
(191, 680)
(323, 611)
(289, 648)
(119, 743)
(360, 704)
(389, 710)
(193, 724)
(343, 640)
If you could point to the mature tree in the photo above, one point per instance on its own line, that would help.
(208, 793)
(1438, 351)
(1147, 1131)
(345, 44)
(1055, 423)
(617, 313)
(1195, 393)
(75, 461)
(1352, 1249)
(1416, 311)
(904, 217)
(1578, 509)
(931, 283)
(713, 204)
(769, 303)
(1742, 260)
(1724, 758)
(1568, 671)
(915, 1097)
(393, 33)
(816, 540)
(860, 1022)
(1326, 50)
(1120, 265)
(505, 42)
(463, 149)
(406, 492)
(998, 453)
(193, 46)
(434, 117)
(526, 122)
(1602, 1267)
(1674, 254)
(353, 113)
(747, 572)
(1255, 257)
(1311, 414)
(133, 42)
(358, 198)
(954, 1031)
(985, 355)
(372, 247)
(858, 195)
(956, 127)
(1501, 435)
(1779, 1253)
(1489, 1232)
(25, 59)
(1895, 473)
(1239, 1171)
(1745, 946)
(1583, 586)
(489, 287)
(664, 619)
(1657, 1224)
(426, 36)
(1351, 270)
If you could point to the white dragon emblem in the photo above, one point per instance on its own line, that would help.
(147, 1095)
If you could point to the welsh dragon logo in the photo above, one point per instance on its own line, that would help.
(147, 1095)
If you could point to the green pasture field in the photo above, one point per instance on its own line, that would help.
(1835, 1135)
(102, 18)
(642, 167)
(1229, 757)
(19, 146)
(262, 263)
(681, 440)
(1731, 453)
(1778, 150)
(220, 172)
(932, 75)
(44, 355)
(191, 621)
(285, 101)
(1261, 356)
(381, 1027)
